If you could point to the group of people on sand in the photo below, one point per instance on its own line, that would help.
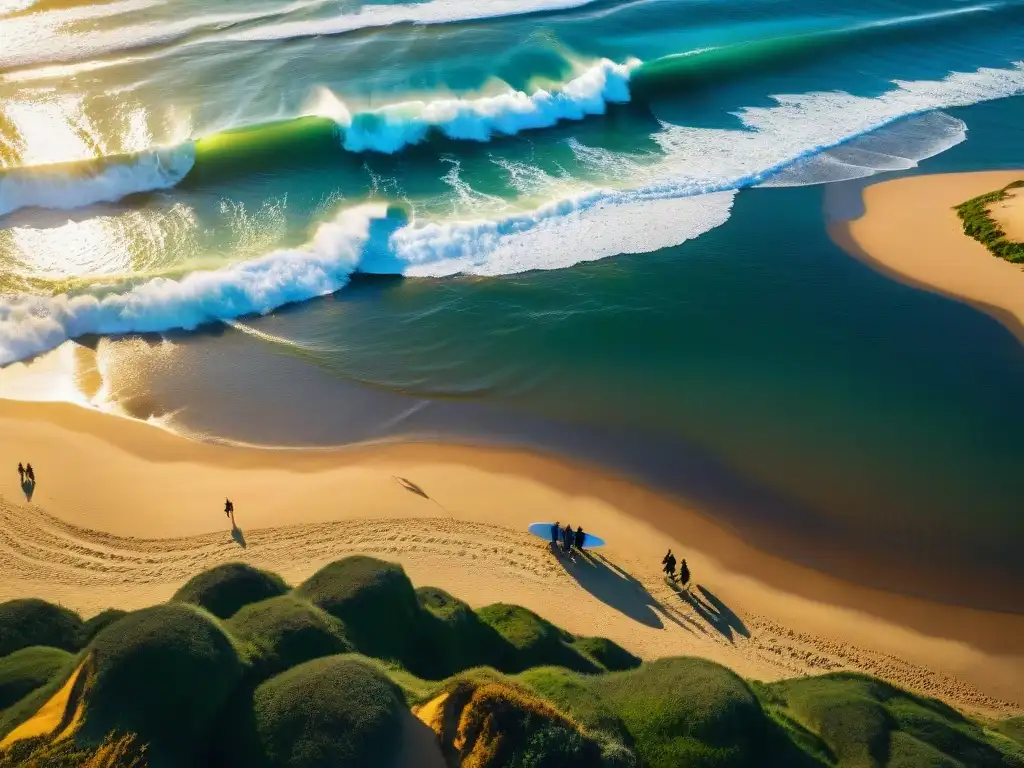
(669, 567)
(26, 473)
(567, 538)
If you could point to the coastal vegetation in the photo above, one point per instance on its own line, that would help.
(356, 667)
(979, 224)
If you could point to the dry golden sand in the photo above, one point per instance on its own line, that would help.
(910, 231)
(1009, 213)
(124, 513)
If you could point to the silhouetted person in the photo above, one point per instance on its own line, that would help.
(567, 539)
(684, 572)
(21, 472)
(670, 565)
(555, 530)
(229, 508)
(579, 538)
(31, 473)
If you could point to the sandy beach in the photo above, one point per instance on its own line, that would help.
(910, 231)
(124, 512)
(1009, 214)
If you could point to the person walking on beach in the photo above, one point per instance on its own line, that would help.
(567, 539)
(31, 474)
(669, 563)
(229, 508)
(21, 472)
(579, 538)
(555, 531)
(684, 573)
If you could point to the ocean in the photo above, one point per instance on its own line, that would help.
(593, 228)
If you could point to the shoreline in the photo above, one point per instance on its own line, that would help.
(125, 512)
(909, 232)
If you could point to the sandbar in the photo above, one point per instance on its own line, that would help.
(910, 231)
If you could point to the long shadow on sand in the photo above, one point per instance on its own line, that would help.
(237, 535)
(612, 586)
(713, 611)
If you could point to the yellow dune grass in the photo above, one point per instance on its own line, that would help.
(63, 711)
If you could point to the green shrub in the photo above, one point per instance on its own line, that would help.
(533, 641)
(1013, 728)
(338, 711)
(25, 670)
(609, 655)
(980, 225)
(904, 751)
(451, 637)
(162, 673)
(28, 705)
(24, 623)
(100, 621)
(686, 712)
(223, 590)
(572, 694)
(501, 725)
(374, 599)
(867, 722)
(285, 631)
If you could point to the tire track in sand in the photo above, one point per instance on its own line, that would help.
(43, 556)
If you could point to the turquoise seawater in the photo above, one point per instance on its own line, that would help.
(605, 214)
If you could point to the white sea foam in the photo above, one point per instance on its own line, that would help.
(434, 12)
(33, 324)
(73, 186)
(665, 201)
(894, 147)
(396, 126)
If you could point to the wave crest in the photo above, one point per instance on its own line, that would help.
(75, 185)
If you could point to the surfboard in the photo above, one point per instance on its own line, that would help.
(543, 531)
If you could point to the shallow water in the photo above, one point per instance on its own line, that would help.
(607, 215)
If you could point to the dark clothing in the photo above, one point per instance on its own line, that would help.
(670, 566)
(567, 541)
(684, 573)
(579, 538)
(31, 474)
(665, 559)
(555, 530)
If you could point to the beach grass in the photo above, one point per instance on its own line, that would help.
(162, 674)
(533, 641)
(338, 710)
(864, 721)
(374, 599)
(283, 632)
(28, 622)
(28, 669)
(225, 589)
(280, 685)
(979, 224)
(102, 620)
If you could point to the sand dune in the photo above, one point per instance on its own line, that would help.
(124, 513)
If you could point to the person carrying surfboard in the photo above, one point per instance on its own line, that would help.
(555, 530)
(579, 538)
